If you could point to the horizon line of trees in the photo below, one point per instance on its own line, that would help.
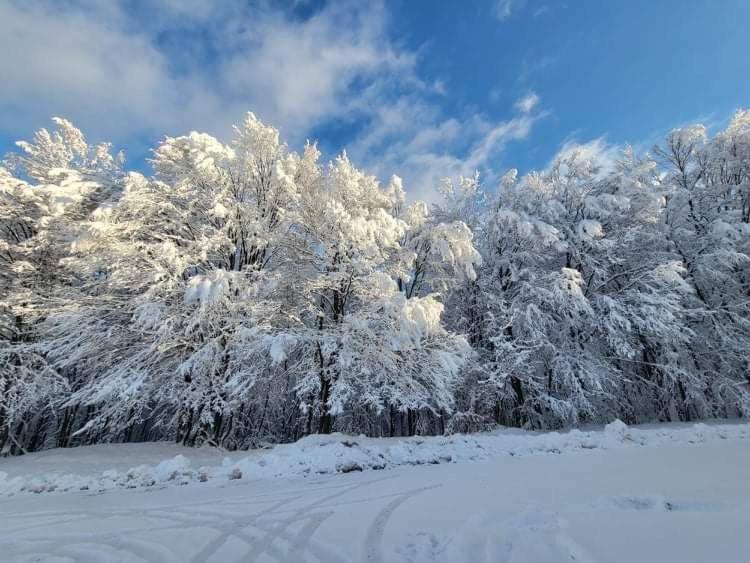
(246, 294)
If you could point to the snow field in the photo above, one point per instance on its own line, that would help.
(662, 494)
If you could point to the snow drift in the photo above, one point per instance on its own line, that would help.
(338, 453)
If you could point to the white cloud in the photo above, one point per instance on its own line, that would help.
(55, 61)
(598, 150)
(111, 72)
(413, 140)
(303, 71)
(527, 103)
(132, 77)
(497, 137)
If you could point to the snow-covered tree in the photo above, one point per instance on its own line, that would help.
(706, 224)
(39, 225)
(246, 293)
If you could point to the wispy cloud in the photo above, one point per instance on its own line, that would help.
(532, 67)
(413, 140)
(504, 9)
(598, 150)
(527, 103)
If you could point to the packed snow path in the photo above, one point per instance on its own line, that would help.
(688, 502)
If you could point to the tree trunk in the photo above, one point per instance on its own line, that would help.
(325, 424)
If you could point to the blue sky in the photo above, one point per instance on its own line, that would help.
(420, 88)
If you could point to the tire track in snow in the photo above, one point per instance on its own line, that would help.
(374, 540)
(303, 540)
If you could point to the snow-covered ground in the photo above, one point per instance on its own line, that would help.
(662, 493)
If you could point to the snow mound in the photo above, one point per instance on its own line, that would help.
(616, 431)
(339, 453)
